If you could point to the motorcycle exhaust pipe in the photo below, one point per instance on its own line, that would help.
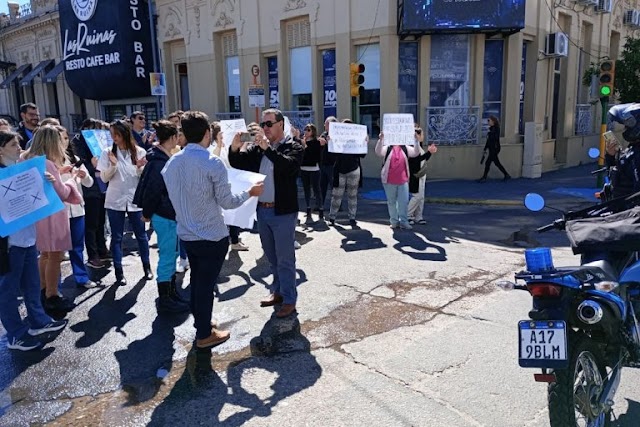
(590, 312)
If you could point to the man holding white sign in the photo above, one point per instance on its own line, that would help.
(198, 188)
(349, 143)
(278, 157)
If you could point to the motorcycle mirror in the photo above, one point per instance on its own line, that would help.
(534, 202)
(594, 153)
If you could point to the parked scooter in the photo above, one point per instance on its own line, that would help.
(583, 327)
(606, 193)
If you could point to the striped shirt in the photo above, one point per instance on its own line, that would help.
(199, 189)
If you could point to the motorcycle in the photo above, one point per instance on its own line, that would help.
(606, 193)
(583, 327)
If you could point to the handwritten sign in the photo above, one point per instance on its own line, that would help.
(229, 129)
(245, 215)
(398, 129)
(25, 196)
(347, 138)
(97, 140)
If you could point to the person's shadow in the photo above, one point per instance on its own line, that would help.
(200, 394)
(145, 362)
(358, 239)
(417, 247)
(108, 313)
(630, 418)
(231, 267)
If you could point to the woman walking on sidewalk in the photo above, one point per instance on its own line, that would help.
(493, 146)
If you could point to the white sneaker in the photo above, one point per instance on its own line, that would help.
(65, 256)
(239, 247)
(296, 245)
(183, 265)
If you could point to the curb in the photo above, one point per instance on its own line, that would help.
(460, 201)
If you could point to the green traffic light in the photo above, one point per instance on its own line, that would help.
(605, 91)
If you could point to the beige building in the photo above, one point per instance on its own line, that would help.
(227, 56)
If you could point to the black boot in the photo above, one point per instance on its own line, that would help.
(120, 280)
(166, 303)
(148, 274)
(320, 214)
(173, 291)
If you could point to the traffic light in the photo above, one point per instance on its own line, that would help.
(357, 79)
(607, 72)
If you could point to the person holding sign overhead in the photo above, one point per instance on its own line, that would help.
(19, 270)
(395, 179)
(278, 157)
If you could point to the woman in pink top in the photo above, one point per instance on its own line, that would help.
(395, 179)
(53, 235)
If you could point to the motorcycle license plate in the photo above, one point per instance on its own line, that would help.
(543, 344)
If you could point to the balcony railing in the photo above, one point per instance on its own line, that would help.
(453, 125)
(584, 119)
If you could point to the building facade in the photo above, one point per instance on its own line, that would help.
(231, 57)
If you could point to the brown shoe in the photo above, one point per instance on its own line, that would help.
(271, 301)
(286, 310)
(217, 337)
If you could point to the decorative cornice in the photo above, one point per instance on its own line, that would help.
(294, 5)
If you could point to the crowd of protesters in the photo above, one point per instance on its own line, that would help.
(174, 178)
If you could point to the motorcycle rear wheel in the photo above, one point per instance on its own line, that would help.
(573, 397)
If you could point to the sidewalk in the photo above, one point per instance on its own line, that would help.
(571, 185)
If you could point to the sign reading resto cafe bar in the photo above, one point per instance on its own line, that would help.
(106, 47)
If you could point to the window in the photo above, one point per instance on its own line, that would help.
(233, 83)
(449, 70)
(300, 72)
(369, 110)
(183, 85)
(408, 79)
(492, 85)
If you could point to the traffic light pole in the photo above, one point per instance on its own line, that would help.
(604, 102)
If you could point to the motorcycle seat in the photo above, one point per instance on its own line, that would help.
(605, 266)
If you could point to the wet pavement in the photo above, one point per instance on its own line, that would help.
(404, 327)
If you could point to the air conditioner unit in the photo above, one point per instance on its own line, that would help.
(604, 6)
(588, 2)
(556, 44)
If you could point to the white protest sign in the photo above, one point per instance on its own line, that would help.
(398, 129)
(347, 138)
(287, 127)
(245, 215)
(229, 129)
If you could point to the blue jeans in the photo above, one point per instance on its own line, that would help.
(397, 202)
(76, 254)
(277, 234)
(116, 219)
(23, 279)
(167, 247)
(206, 259)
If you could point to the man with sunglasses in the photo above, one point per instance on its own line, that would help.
(143, 137)
(278, 157)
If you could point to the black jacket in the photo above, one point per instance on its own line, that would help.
(151, 194)
(493, 140)
(81, 150)
(625, 176)
(327, 158)
(22, 131)
(312, 153)
(286, 167)
(414, 167)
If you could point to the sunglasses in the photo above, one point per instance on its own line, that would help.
(268, 123)
(418, 131)
(141, 118)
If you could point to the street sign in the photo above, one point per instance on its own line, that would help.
(256, 96)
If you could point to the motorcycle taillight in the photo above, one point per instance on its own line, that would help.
(544, 290)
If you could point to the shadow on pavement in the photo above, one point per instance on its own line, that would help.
(630, 418)
(200, 394)
(108, 313)
(145, 362)
(15, 363)
(358, 239)
(417, 247)
(231, 267)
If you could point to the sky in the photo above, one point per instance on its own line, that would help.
(5, 9)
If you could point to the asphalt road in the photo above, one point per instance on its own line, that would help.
(406, 329)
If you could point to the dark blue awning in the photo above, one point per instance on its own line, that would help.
(26, 80)
(52, 75)
(18, 72)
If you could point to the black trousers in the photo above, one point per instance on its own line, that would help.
(493, 157)
(311, 180)
(206, 259)
(94, 227)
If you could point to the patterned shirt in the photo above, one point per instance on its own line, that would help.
(199, 189)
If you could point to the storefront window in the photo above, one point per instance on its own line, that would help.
(492, 84)
(369, 55)
(300, 72)
(408, 79)
(449, 70)
(233, 83)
